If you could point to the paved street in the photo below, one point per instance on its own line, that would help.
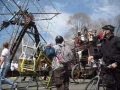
(73, 86)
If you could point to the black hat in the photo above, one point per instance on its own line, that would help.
(109, 27)
(59, 39)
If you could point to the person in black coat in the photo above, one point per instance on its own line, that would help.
(110, 52)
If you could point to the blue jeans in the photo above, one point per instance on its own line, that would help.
(3, 73)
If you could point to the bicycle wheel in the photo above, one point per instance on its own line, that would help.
(32, 84)
(76, 73)
(95, 84)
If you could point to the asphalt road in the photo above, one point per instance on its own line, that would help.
(73, 86)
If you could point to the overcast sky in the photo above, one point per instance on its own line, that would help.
(106, 9)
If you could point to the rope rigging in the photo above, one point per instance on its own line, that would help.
(24, 21)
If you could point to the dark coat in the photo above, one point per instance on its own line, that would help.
(110, 50)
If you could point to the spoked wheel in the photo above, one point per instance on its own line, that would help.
(76, 73)
(95, 84)
(32, 84)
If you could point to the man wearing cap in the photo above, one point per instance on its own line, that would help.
(110, 52)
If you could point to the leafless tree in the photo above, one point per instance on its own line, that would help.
(78, 20)
(117, 21)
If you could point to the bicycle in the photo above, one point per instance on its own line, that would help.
(97, 82)
(80, 72)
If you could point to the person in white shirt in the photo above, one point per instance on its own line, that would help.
(5, 66)
(14, 66)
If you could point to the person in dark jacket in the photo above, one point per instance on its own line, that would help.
(110, 52)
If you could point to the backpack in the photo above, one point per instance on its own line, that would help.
(63, 55)
(50, 52)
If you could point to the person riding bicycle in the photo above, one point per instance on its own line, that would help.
(110, 52)
(60, 64)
